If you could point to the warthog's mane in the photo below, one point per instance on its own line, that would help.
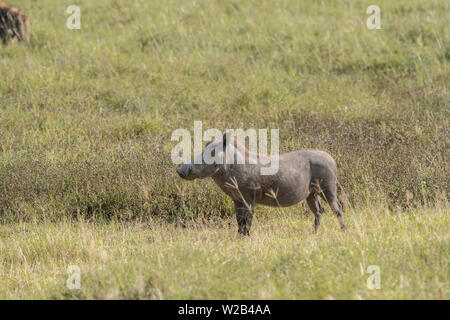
(249, 155)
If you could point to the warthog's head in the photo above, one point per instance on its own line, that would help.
(206, 164)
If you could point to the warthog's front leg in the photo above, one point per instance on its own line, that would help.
(244, 215)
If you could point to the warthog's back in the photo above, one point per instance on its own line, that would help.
(297, 170)
(312, 160)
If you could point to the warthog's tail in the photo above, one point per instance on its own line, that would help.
(343, 198)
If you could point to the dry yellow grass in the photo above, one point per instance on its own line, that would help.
(282, 259)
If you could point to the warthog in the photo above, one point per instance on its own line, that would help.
(13, 24)
(304, 174)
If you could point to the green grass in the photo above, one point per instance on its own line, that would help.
(86, 118)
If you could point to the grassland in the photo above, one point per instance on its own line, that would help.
(282, 259)
(86, 177)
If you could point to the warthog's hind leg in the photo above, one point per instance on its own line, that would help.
(336, 207)
(244, 215)
(316, 208)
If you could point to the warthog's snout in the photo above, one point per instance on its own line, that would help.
(181, 173)
(184, 172)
